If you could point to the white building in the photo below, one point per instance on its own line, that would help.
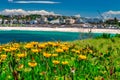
(70, 21)
(5, 21)
(20, 21)
(15, 21)
(79, 21)
(57, 21)
(33, 22)
(42, 20)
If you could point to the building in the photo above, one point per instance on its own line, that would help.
(57, 21)
(5, 21)
(33, 22)
(79, 21)
(70, 21)
(43, 20)
(94, 20)
(61, 20)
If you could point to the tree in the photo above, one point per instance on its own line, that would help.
(115, 20)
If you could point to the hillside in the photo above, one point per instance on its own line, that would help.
(91, 59)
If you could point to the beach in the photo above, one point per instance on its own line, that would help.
(86, 30)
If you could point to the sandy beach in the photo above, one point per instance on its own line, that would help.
(113, 31)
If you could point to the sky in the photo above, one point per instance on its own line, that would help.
(86, 8)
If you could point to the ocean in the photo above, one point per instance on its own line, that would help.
(42, 36)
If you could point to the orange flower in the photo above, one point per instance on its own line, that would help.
(64, 62)
(1, 46)
(82, 57)
(55, 62)
(32, 64)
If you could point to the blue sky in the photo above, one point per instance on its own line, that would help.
(66, 7)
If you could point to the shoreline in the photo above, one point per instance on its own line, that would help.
(84, 30)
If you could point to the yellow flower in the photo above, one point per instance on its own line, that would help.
(50, 43)
(42, 46)
(82, 57)
(13, 49)
(47, 55)
(6, 50)
(55, 44)
(20, 66)
(21, 55)
(54, 55)
(35, 50)
(16, 45)
(64, 62)
(73, 50)
(59, 50)
(55, 62)
(34, 43)
(3, 56)
(65, 48)
(65, 43)
(90, 51)
(28, 46)
(77, 51)
(32, 64)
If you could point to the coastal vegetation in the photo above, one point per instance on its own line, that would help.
(90, 59)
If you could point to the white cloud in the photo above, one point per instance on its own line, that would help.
(111, 14)
(78, 15)
(42, 2)
(23, 12)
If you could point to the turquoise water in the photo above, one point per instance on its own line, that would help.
(41, 36)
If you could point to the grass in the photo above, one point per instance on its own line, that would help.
(90, 59)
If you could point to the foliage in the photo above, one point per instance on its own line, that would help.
(91, 59)
(107, 36)
(104, 35)
(117, 35)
